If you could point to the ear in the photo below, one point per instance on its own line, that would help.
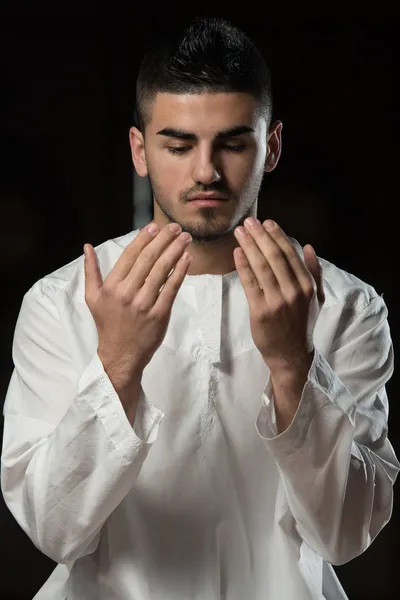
(274, 146)
(136, 142)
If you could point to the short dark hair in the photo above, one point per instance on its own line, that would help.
(210, 55)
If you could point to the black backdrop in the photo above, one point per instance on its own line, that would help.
(66, 94)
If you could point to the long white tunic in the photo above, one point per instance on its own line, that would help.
(201, 499)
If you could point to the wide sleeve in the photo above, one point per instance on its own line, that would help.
(336, 462)
(69, 454)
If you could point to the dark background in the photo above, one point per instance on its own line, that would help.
(66, 99)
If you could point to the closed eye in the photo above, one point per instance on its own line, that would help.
(183, 149)
(178, 149)
(238, 148)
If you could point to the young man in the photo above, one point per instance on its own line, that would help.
(206, 428)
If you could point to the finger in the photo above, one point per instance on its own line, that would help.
(93, 277)
(315, 268)
(296, 271)
(148, 284)
(170, 289)
(130, 254)
(254, 294)
(143, 269)
(260, 265)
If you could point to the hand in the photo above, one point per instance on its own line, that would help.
(279, 287)
(130, 311)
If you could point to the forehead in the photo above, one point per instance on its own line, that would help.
(204, 113)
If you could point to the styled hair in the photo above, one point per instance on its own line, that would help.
(210, 55)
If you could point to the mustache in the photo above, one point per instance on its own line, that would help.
(206, 189)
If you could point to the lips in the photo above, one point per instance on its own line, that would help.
(208, 197)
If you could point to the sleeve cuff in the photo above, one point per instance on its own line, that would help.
(97, 390)
(322, 388)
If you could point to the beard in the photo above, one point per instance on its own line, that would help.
(209, 226)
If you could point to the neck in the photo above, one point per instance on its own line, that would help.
(213, 257)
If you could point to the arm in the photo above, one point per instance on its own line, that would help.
(335, 460)
(70, 454)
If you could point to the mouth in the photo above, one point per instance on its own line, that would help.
(210, 199)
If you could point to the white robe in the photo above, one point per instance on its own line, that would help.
(200, 500)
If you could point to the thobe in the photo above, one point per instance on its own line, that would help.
(201, 499)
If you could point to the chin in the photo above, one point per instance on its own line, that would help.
(210, 234)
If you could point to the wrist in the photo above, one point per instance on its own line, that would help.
(126, 380)
(290, 371)
(124, 369)
(288, 382)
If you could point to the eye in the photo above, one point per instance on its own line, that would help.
(178, 149)
(237, 148)
(183, 149)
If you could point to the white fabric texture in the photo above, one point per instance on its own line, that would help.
(200, 499)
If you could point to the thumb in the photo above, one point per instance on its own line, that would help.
(314, 266)
(93, 277)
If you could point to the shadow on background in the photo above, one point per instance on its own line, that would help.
(66, 178)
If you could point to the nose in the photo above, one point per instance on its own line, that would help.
(205, 170)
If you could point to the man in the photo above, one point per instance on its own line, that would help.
(205, 428)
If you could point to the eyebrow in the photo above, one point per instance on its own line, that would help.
(221, 135)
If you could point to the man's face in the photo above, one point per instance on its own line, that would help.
(196, 143)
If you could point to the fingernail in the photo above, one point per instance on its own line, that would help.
(240, 231)
(251, 222)
(270, 224)
(152, 228)
(175, 228)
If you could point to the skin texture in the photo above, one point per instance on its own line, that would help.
(206, 164)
